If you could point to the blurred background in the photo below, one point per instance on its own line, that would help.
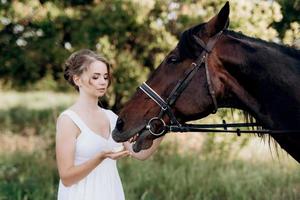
(36, 36)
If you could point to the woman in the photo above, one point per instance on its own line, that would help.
(85, 151)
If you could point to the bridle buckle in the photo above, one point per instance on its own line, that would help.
(150, 126)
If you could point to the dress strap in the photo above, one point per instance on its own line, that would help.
(75, 118)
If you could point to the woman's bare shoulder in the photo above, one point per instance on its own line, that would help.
(65, 125)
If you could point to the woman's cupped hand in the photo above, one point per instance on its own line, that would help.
(116, 155)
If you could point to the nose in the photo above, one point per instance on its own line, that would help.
(120, 124)
(102, 81)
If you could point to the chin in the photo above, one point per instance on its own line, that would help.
(100, 94)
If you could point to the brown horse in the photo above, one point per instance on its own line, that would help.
(235, 71)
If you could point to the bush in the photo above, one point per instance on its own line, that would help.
(26, 121)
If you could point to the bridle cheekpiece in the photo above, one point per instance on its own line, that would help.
(166, 106)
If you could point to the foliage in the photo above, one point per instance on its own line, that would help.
(290, 11)
(36, 36)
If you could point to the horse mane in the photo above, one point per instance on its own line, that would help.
(188, 49)
(293, 52)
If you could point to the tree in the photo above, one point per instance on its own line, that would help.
(289, 26)
(36, 36)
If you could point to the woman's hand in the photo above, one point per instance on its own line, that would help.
(146, 153)
(116, 155)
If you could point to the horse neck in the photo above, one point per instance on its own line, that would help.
(269, 78)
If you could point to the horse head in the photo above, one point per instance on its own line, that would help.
(229, 70)
(193, 102)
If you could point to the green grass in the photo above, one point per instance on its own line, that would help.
(35, 99)
(31, 113)
(214, 172)
(168, 175)
(25, 176)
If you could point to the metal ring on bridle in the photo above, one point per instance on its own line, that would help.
(160, 121)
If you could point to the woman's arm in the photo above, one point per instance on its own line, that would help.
(66, 135)
(143, 154)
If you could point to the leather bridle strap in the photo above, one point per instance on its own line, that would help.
(154, 96)
(208, 48)
(210, 88)
(158, 100)
(182, 84)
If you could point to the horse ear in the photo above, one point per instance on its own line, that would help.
(218, 22)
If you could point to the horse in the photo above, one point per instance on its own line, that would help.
(229, 70)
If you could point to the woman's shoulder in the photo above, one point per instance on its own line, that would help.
(65, 116)
(70, 111)
(66, 124)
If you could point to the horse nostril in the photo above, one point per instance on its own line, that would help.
(119, 124)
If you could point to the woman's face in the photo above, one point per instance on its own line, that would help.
(94, 80)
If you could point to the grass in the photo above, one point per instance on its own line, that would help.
(31, 113)
(168, 175)
(25, 176)
(35, 100)
(214, 171)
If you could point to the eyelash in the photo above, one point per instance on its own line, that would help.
(95, 78)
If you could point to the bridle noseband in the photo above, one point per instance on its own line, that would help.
(178, 89)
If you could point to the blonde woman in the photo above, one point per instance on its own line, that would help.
(85, 151)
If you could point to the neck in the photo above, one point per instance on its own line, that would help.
(263, 81)
(88, 102)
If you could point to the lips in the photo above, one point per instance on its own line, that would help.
(101, 89)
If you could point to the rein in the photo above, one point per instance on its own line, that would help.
(209, 128)
(165, 106)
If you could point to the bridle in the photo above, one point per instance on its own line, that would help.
(181, 85)
(166, 105)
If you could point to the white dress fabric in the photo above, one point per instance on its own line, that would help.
(102, 183)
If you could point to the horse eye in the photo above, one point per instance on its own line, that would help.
(173, 59)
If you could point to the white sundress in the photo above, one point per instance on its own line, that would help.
(102, 183)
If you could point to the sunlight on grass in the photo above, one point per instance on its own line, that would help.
(190, 166)
(35, 99)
